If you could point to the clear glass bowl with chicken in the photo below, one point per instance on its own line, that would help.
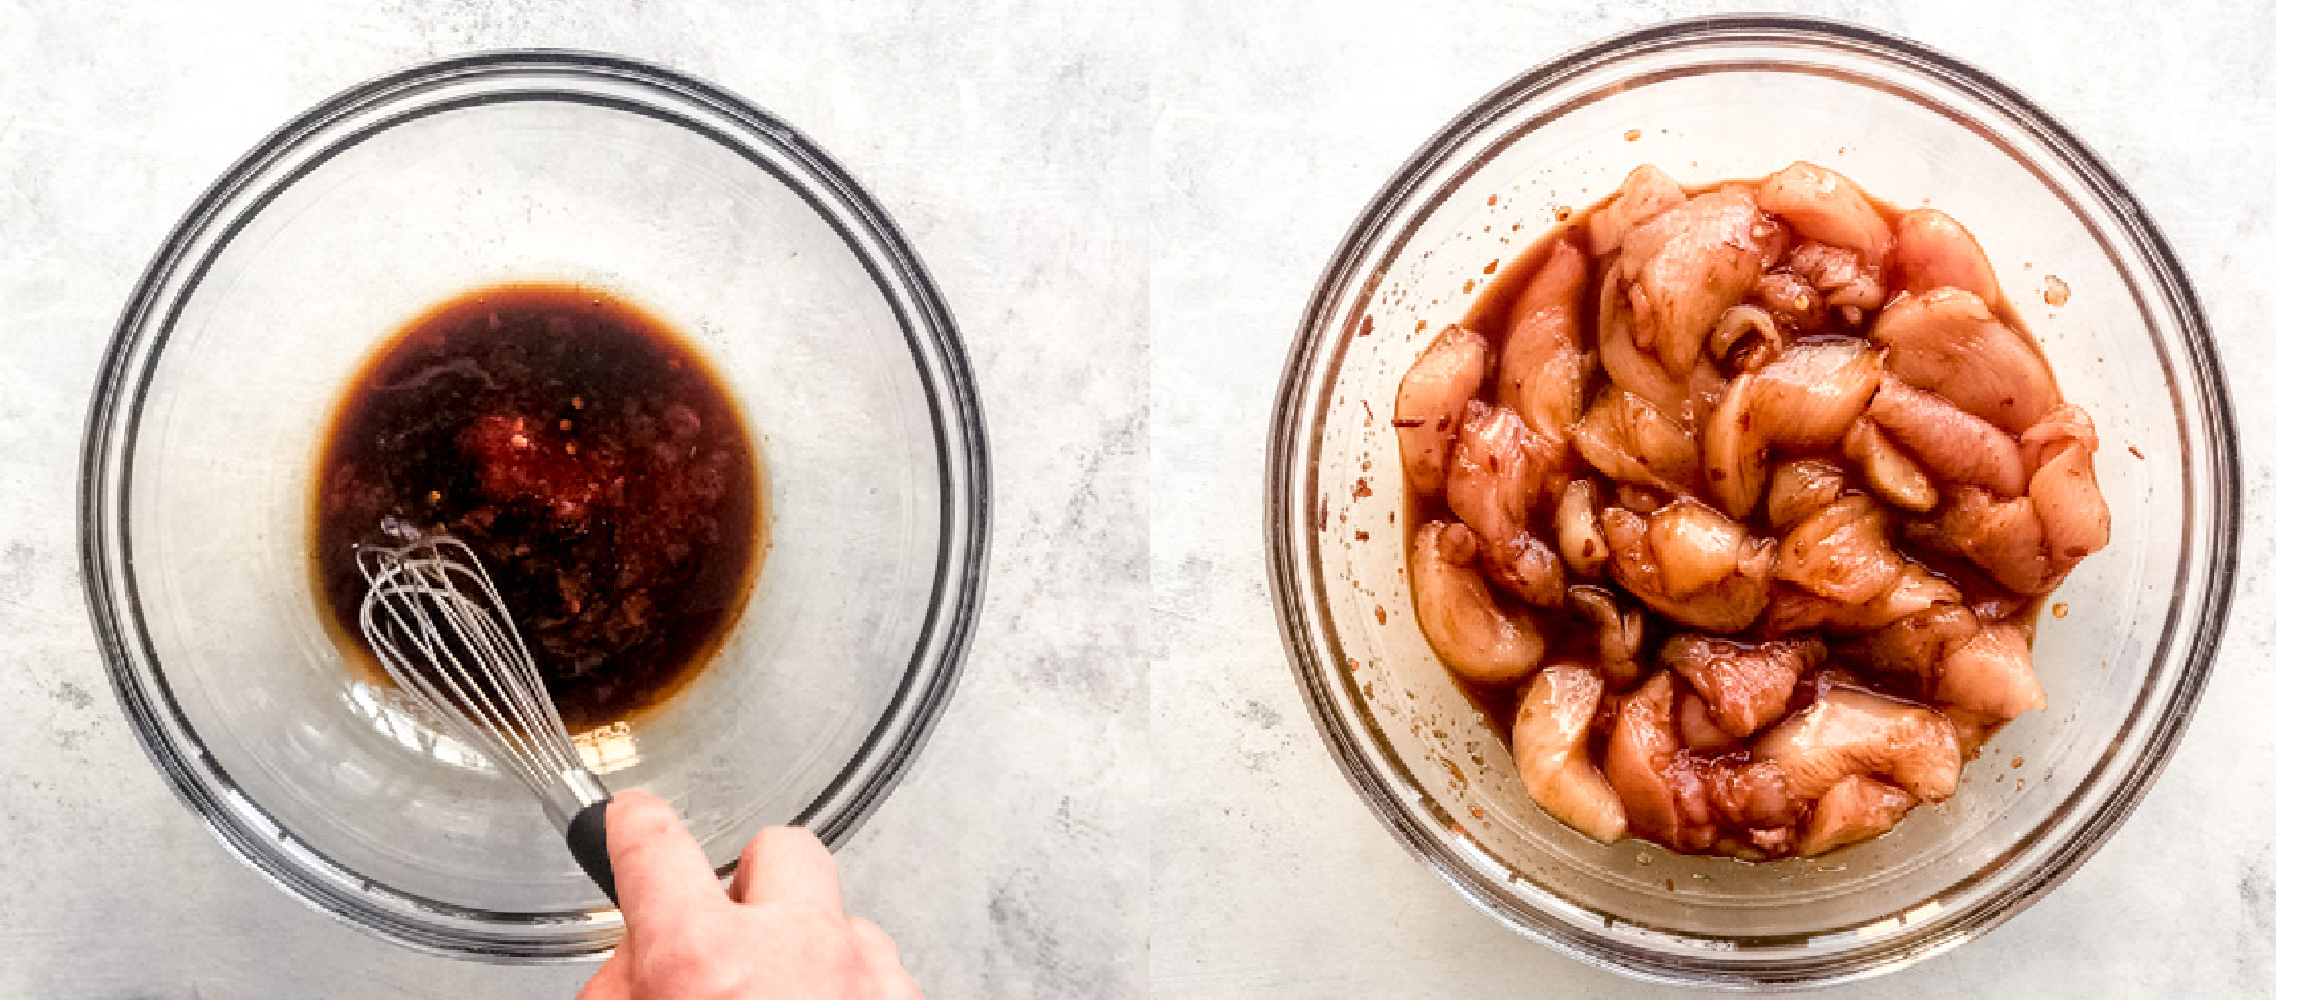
(1735, 506)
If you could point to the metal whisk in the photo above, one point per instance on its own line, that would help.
(435, 620)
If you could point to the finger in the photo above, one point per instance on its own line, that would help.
(611, 982)
(876, 945)
(882, 962)
(660, 872)
(787, 864)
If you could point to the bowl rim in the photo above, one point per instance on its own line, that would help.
(276, 162)
(1294, 563)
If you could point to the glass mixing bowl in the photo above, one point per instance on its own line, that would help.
(1709, 100)
(352, 220)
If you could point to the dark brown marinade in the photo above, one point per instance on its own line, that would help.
(1567, 635)
(585, 452)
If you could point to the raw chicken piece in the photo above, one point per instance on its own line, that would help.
(1730, 605)
(1480, 639)
(2062, 427)
(1800, 489)
(1812, 395)
(1542, 365)
(1848, 732)
(1684, 801)
(1694, 547)
(1493, 473)
(1751, 795)
(2069, 506)
(1841, 553)
(2003, 538)
(1733, 450)
(1791, 299)
(1825, 206)
(1845, 282)
(1722, 804)
(1807, 399)
(1646, 193)
(1913, 647)
(1745, 685)
(1948, 341)
(1683, 267)
(1852, 810)
(1579, 539)
(1930, 250)
(1699, 728)
(1620, 633)
(1431, 397)
(1955, 445)
(1795, 610)
(1643, 744)
(1550, 741)
(1628, 366)
(1627, 438)
(1990, 675)
(1527, 567)
(1890, 471)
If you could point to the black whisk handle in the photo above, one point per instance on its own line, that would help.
(587, 840)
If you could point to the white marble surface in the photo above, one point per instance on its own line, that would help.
(1126, 205)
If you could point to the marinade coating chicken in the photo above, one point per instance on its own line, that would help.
(1745, 498)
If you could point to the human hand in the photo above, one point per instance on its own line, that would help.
(779, 932)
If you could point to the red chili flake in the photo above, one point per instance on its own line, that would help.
(1381, 615)
(1363, 537)
(1407, 422)
(1491, 264)
(1366, 327)
(1363, 491)
(2136, 453)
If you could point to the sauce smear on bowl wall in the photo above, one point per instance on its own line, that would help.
(1742, 500)
(589, 456)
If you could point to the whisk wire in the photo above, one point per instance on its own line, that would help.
(440, 628)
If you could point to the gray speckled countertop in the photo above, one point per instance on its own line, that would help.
(1126, 206)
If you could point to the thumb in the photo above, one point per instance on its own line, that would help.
(660, 872)
(611, 982)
